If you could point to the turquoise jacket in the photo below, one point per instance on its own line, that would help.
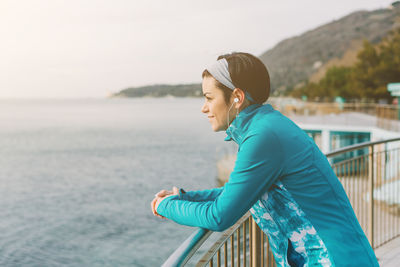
(282, 177)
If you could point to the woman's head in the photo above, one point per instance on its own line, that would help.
(247, 73)
(235, 75)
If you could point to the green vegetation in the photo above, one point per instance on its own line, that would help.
(162, 90)
(376, 66)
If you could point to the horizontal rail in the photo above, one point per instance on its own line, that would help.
(186, 250)
(224, 237)
(359, 146)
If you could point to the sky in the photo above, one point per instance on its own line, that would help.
(91, 48)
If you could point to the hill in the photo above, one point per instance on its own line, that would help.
(162, 90)
(294, 60)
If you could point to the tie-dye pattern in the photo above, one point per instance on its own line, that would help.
(279, 216)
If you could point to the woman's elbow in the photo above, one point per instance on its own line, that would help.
(221, 225)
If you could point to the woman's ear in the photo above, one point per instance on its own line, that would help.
(239, 94)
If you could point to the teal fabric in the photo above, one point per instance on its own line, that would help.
(274, 151)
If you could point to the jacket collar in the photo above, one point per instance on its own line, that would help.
(239, 125)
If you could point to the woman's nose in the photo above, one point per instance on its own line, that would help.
(204, 108)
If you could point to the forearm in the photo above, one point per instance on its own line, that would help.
(197, 214)
(201, 195)
(258, 166)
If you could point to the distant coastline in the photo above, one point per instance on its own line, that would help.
(162, 90)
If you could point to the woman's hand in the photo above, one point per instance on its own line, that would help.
(160, 196)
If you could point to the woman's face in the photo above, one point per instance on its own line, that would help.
(214, 105)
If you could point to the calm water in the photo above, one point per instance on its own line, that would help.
(77, 178)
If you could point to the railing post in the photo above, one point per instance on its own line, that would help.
(371, 196)
(256, 244)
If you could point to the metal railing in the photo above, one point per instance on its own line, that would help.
(371, 178)
(370, 175)
(186, 250)
(243, 244)
(388, 117)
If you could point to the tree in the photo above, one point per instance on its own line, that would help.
(367, 78)
(336, 82)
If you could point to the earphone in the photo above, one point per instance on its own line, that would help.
(235, 100)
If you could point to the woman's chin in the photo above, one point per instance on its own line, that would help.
(217, 128)
(214, 129)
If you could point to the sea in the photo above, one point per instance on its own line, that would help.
(77, 177)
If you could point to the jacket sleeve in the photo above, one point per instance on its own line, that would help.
(258, 165)
(201, 195)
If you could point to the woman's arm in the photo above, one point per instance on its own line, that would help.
(201, 195)
(196, 196)
(258, 166)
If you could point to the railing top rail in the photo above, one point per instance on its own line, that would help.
(220, 242)
(188, 247)
(359, 146)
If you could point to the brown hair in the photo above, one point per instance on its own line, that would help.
(248, 73)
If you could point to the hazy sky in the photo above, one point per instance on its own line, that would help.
(88, 48)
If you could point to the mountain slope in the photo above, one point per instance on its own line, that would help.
(295, 59)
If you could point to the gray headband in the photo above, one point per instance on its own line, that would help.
(219, 70)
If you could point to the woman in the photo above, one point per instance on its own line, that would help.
(280, 175)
